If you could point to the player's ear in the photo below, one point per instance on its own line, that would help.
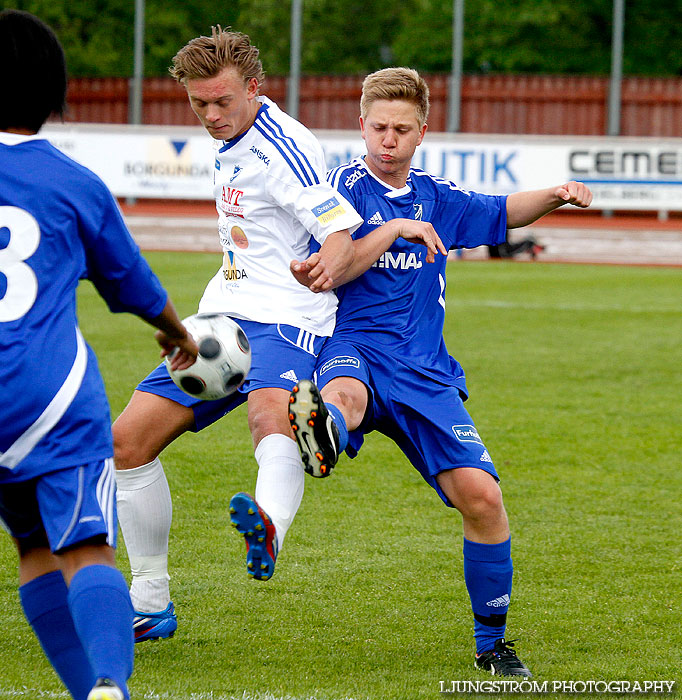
(362, 126)
(422, 132)
(252, 88)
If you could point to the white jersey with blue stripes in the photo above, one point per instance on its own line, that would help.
(272, 196)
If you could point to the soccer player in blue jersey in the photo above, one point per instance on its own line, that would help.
(60, 224)
(386, 366)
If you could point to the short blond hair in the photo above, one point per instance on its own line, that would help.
(396, 84)
(206, 56)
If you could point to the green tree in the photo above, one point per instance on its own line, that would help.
(337, 37)
(353, 36)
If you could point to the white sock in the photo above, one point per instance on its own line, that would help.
(279, 487)
(145, 512)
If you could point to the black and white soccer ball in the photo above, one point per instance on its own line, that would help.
(223, 361)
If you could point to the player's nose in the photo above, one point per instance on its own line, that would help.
(389, 138)
(212, 113)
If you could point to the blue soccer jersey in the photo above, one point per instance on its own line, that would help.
(399, 303)
(58, 224)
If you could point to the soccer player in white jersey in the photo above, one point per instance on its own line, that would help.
(59, 224)
(386, 366)
(272, 200)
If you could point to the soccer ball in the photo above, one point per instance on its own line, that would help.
(223, 361)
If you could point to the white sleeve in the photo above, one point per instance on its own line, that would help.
(319, 208)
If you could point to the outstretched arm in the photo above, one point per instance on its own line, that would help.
(172, 334)
(368, 249)
(524, 208)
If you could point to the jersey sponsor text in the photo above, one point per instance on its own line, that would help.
(398, 261)
(340, 361)
(329, 210)
(467, 433)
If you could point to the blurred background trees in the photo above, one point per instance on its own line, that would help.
(355, 37)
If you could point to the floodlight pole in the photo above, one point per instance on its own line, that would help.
(295, 59)
(616, 68)
(135, 93)
(135, 88)
(455, 87)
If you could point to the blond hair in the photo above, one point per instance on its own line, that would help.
(206, 56)
(396, 84)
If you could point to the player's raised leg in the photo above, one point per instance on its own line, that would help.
(147, 425)
(320, 421)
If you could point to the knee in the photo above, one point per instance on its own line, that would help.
(268, 415)
(475, 494)
(483, 504)
(352, 403)
(129, 449)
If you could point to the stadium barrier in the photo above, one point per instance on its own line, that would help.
(499, 104)
(625, 173)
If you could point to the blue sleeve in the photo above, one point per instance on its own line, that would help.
(471, 219)
(114, 262)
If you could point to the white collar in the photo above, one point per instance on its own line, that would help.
(392, 191)
(10, 139)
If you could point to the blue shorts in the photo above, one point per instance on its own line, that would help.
(280, 356)
(63, 508)
(425, 418)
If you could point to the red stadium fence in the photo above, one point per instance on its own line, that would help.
(496, 104)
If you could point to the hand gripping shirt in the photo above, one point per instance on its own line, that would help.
(271, 196)
(399, 303)
(58, 224)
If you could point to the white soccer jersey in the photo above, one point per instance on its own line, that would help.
(272, 195)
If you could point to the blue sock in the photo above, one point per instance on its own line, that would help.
(103, 615)
(340, 422)
(488, 574)
(44, 600)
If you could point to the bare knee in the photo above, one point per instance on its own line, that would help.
(148, 424)
(482, 504)
(267, 413)
(350, 397)
(478, 497)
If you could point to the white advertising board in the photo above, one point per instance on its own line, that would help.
(177, 162)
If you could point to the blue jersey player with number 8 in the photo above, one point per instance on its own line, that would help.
(386, 366)
(59, 224)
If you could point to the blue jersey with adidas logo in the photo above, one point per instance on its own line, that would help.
(399, 303)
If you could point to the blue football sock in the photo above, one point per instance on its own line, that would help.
(103, 615)
(488, 574)
(44, 600)
(340, 422)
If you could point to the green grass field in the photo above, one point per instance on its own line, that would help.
(574, 374)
